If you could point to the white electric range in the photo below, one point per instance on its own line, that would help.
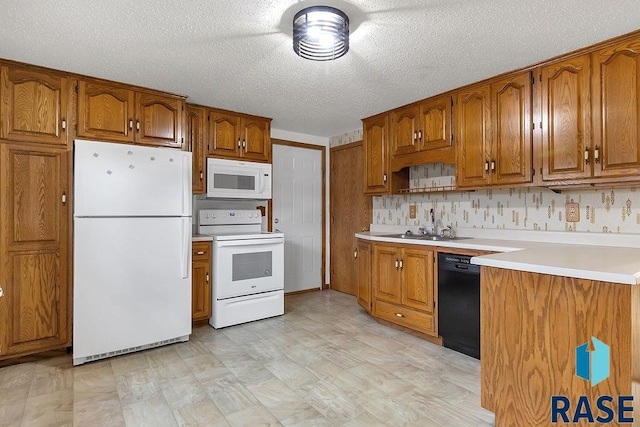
(248, 267)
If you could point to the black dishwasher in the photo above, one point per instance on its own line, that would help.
(459, 303)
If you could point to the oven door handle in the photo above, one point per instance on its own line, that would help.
(249, 242)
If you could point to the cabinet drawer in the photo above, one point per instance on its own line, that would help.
(406, 317)
(201, 251)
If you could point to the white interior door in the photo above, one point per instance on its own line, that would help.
(297, 212)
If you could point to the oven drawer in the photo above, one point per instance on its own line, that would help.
(403, 316)
(201, 251)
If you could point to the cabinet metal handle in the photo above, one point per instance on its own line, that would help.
(384, 178)
(486, 165)
(201, 176)
(493, 165)
(355, 253)
(64, 124)
(596, 154)
(64, 198)
(586, 155)
(401, 264)
(130, 124)
(1, 292)
(138, 125)
(399, 315)
(239, 143)
(200, 253)
(397, 264)
(415, 137)
(207, 277)
(420, 135)
(244, 144)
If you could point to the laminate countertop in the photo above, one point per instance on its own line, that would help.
(604, 263)
(201, 238)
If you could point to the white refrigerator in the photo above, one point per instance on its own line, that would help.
(132, 248)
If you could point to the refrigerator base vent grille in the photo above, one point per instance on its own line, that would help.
(81, 360)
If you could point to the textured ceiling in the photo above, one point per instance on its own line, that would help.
(237, 54)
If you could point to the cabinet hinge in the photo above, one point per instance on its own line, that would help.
(183, 108)
(452, 102)
(182, 140)
(75, 126)
(540, 171)
(75, 87)
(534, 126)
(452, 138)
(533, 171)
(208, 148)
(540, 77)
(533, 80)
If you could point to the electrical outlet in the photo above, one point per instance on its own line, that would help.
(412, 211)
(573, 212)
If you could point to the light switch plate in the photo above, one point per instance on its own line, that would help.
(412, 211)
(573, 212)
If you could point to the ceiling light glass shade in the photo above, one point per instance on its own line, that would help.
(320, 33)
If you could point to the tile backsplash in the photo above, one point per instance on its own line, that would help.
(613, 210)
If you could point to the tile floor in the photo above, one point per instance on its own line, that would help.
(325, 362)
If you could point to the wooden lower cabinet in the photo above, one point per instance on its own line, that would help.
(35, 311)
(403, 286)
(201, 282)
(363, 258)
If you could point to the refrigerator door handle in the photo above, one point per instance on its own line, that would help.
(186, 247)
(186, 185)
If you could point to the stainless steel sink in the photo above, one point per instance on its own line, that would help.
(431, 237)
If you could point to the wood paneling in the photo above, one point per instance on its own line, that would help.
(224, 135)
(376, 161)
(350, 213)
(105, 111)
(364, 274)
(531, 325)
(511, 144)
(566, 118)
(616, 110)
(195, 134)
(473, 114)
(35, 106)
(159, 120)
(34, 242)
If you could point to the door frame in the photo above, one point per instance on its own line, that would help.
(323, 152)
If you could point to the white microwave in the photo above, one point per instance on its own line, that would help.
(235, 179)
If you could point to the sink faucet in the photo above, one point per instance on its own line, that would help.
(449, 230)
(434, 226)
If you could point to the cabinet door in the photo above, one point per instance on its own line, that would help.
(364, 274)
(201, 291)
(435, 124)
(566, 119)
(472, 118)
(34, 106)
(386, 273)
(511, 147)
(196, 118)
(375, 146)
(34, 241)
(404, 131)
(159, 120)
(105, 111)
(224, 135)
(256, 139)
(616, 114)
(417, 279)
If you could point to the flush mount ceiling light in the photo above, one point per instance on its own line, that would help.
(320, 33)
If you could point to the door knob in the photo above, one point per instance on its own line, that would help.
(276, 220)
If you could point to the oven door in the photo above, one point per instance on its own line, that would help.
(246, 267)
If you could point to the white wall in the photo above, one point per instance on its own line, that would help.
(314, 140)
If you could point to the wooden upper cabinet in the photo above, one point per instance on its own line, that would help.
(159, 120)
(616, 110)
(376, 161)
(404, 130)
(473, 113)
(195, 134)
(417, 279)
(256, 139)
(34, 249)
(566, 119)
(105, 111)
(435, 123)
(35, 106)
(224, 134)
(511, 143)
